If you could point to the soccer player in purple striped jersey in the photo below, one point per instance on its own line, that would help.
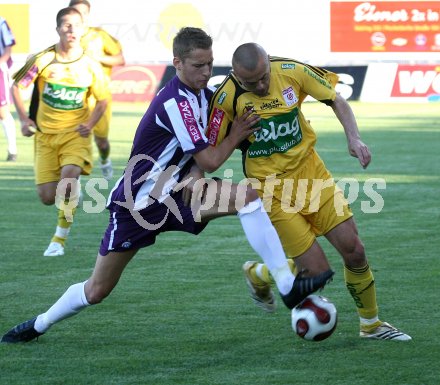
(7, 41)
(163, 188)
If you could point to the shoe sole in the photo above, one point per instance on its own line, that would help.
(269, 307)
(55, 254)
(390, 335)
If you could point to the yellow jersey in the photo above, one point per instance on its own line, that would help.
(63, 89)
(286, 137)
(99, 43)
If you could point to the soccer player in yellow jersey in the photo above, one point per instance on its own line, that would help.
(65, 77)
(105, 49)
(298, 191)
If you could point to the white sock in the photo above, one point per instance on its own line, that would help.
(69, 304)
(368, 321)
(62, 232)
(264, 239)
(8, 124)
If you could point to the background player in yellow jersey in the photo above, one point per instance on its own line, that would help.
(298, 191)
(63, 144)
(105, 49)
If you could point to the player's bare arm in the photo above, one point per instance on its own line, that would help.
(85, 129)
(28, 126)
(6, 54)
(356, 147)
(211, 158)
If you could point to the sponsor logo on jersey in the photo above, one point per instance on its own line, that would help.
(287, 66)
(289, 96)
(275, 103)
(221, 98)
(214, 125)
(64, 97)
(278, 134)
(189, 121)
(249, 106)
(317, 77)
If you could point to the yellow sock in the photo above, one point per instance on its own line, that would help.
(63, 226)
(60, 240)
(360, 284)
(292, 266)
(260, 273)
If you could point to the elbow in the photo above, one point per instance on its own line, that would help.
(209, 160)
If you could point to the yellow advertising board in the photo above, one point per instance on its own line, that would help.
(17, 16)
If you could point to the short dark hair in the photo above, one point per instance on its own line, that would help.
(76, 2)
(188, 39)
(66, 11)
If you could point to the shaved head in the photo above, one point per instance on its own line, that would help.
(251, 67)
(247, 56)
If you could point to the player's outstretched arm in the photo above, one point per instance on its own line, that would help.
(211, 158)
(345, 115)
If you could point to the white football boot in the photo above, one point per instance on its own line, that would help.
(384, 331)
(54, 249)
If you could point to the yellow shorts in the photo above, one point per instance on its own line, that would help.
(305, 204)
(53, 151)
(101, 128)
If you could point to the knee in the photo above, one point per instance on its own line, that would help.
(102, 143)
(4, 112)
(354, 255)
(46, 199)
(96, 294)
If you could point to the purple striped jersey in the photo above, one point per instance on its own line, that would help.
(171, 130)
(6, 38)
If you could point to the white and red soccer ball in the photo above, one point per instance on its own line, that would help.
(315, 318)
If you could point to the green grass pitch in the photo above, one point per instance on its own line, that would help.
(181, 313)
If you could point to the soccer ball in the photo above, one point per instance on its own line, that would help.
(315, 318)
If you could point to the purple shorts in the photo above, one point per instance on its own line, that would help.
(134, 230)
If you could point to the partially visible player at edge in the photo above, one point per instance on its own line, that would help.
(64, 76)
(303, 200)
(7, 41)
(171, 151)
(105, 49)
